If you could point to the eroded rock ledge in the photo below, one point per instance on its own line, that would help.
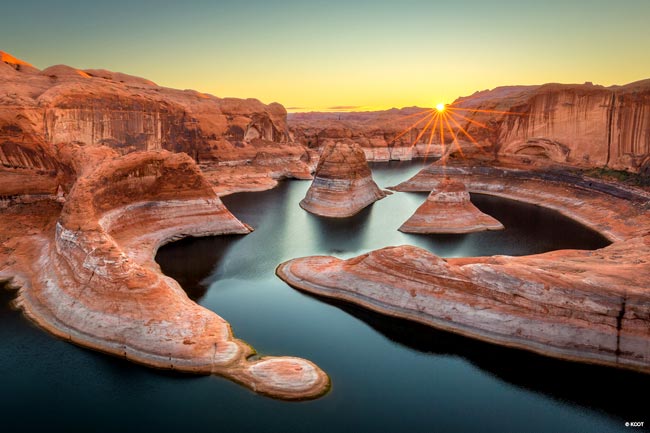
(588, 306)
(89, 277)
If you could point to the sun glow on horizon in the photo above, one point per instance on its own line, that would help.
(446, 120)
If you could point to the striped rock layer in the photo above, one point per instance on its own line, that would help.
(90, 278)
(448, 209)
(342, 184)
(588, 306)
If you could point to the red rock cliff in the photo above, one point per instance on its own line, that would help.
(95, 107)
(580, 125)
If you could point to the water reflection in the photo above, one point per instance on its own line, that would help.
(385, 377)
(595, 387)
(332, 233)
(381, 366)
(194, 262)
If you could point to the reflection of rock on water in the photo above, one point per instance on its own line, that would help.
(589, 306)
(586, 385)
(192, 261)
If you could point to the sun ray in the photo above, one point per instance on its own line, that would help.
(424, 129)
(476, 110)
(468, 135)
(453, 134)
(447, 119)
(442, 138)
(433, 131)
(482, 125)
(427, 111)
(413, 125)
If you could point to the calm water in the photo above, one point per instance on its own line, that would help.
(388, 375)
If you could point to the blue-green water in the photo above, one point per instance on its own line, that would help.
(388, 375)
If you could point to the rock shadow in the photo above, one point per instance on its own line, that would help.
(192, 261)
(603, 389)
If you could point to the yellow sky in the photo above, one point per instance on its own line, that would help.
(311, 55)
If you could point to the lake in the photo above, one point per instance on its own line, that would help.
(388, 375)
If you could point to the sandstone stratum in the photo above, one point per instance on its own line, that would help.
(588, 306)
(448, 209)
(342, 184)
(85, 271)
(240, 144)
(580, 125)
(98, 171)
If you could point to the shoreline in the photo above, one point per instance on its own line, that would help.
(589, 306)
(88, 275)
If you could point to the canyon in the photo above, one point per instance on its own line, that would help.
(588, 306)
(88, 275)
(578, 125)
(99, 169)
(239, 144)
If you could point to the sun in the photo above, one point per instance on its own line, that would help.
(446, 121)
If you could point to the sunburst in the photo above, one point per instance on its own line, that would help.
(447, 119)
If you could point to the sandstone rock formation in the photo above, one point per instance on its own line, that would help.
(582, 125)
(89, 108)
(589, 306)
(376, 132)
(86, 271)
(576, 124)
(343, 184)
(448, 209)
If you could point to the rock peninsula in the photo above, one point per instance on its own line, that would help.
(89, 276)
(98, 170)
(587, 306)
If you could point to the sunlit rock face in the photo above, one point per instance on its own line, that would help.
(98, 169)
(86, 271)
(580, 125)
(60, 104)
(342, 184)
(448, 209)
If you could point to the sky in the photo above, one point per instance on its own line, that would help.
(338, 55)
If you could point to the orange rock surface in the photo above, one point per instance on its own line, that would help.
(376, 132)
(86, 271)
(343, 184)
(588, 306)
(89, 108)
(577, 124)
(81, 224)
(448, 209)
